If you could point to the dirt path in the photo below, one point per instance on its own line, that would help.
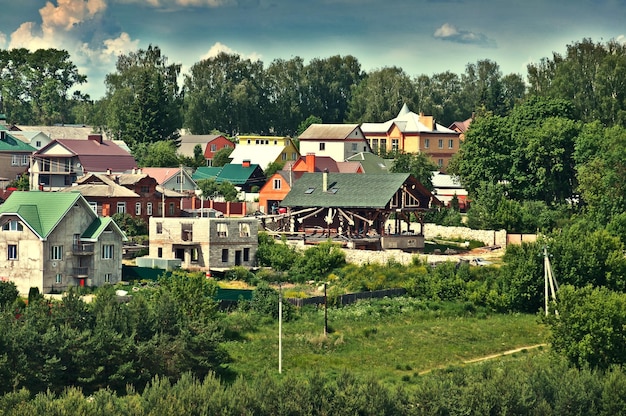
(489, 357)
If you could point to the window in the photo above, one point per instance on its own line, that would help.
(149, 208)
(160, 209)
(440, 163)
(194, 255)
(58, 279)
(375, 145)
(246, 254)
(224, 255)
(160, 252)
(94, 206)
(426, 143)
(12, 225)
(172, 208)
(451, 144)
(121, 207)
(25, 160)
(322, 146)
(294, 156)
(145, 189)
(56, 253)
(180, 179)
(440, 143)
(283, 156)
(38, 144)
(383, 145)
(394, 145)
(12, 252)
(159, 228)
(277, 183)
(244, 229)
(138, 208)
(107, 251)
(355, 147)
(107, 278)
(214, 148)
(222, 229)
(15, 160)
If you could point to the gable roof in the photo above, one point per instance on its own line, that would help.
(328, 132)
(98, 226)
(41, 211)
(163, 175)
(353, 190)
(206, 172)
(189, 141)
(238, 174)
(259, 155)
(99, 185)
(372, 163)
(95, 155)
(12, 144)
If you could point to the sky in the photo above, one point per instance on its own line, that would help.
(420, 36)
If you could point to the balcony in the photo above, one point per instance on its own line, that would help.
(83, 249)
(80, 272)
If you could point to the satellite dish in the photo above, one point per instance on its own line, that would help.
(77, 164)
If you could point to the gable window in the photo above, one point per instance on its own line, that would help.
(180, 179)
(222, 229)
(12, 252)
(394, 145)
(145, 189)
(149, 208)
(56, 253)
(426, 143)
(355, 147)
(138, 208)
(58, 279)
(121, 207)
(214, 148)
(244, 229)
(451, 144)
(107, 251)
(224, 255)
(94, 206)
(38, 143)
(277, 183)
(440, 143)
(322, 146)
(12, 225)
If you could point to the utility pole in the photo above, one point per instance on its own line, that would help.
(325, 312)
(550, 285)
(280, 329)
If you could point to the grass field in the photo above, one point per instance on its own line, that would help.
(392, 340)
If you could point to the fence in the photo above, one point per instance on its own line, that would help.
(347, 298)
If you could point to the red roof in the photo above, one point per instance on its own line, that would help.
(96, 156)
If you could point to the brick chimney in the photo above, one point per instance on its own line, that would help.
(310, 162)
(325, 181)
(246, 164)
(95, 137)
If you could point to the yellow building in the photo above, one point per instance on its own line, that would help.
(264, 150)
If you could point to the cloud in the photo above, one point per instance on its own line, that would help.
(3, 40)
(219, 47)
(450, 33)
(183, 3)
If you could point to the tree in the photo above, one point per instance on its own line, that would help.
(158, 154)
(222, 156)
(143, 100)
(286, 89)
(130, 225)
(590, 329)
(8, 294)
(419, 165)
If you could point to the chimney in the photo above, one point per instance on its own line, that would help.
(95, 137)
(246, 164)
(325, 180)
(109, 171)
(310, 162)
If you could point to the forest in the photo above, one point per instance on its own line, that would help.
(544, 154)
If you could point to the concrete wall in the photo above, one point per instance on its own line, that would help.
(430, 231)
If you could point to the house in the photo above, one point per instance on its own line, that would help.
(204, 243)
(209, 143)
(338, 141)
(372, 163)
(54, 240)
(413, 133)
(461, 127)
(37, 139)
(136, 194)
(176, 179)
(15, 157)
(264, 150)
(58, 164)
(278, 185)
(354, 208)
(446, 187)
(246, 176)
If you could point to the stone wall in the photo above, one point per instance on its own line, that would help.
(488, 237)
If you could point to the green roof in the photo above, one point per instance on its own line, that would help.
(98, 226)
(41, 211)
(347, 190)
(11, 144)
(206, 172)
(237, 174)
(372, 163)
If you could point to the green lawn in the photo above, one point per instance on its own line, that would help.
(391, 339)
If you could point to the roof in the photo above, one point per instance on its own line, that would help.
(328, 131)
(260, 155)
(12, 144)
(206, 172)
(189, 141)
(238, 174)
(96, 156)
(99, 185)
(41, 211)
(353, 190)
(98, 226)
(72, 132)
(461, 126)
(161, 175)
(372, 163)
(407, 122)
